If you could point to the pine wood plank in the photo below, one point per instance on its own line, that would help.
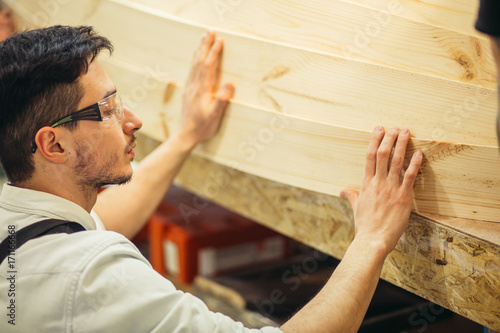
(454, 180)
(304, 83)
(457, 15)
(380, 36)
(311, 85)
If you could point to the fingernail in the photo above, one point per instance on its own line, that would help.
(379, 128)
(405, 131)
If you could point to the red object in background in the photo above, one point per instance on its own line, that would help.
(185, 241)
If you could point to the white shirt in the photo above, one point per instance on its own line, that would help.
(91, 281)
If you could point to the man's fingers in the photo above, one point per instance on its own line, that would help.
(351, 196)
(200, 55)
(206, 45)
(384, 151)
(399, 155)
(224, 94)
(412, 171)
(371, 155)
(211, 62)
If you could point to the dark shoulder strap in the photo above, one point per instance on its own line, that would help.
(42, 228)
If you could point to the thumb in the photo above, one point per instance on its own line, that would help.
(224, 94)
(350, 195)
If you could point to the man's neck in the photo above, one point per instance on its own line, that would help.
(85, 197)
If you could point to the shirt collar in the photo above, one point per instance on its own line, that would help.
(44, 204)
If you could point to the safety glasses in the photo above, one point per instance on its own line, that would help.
(109, 108)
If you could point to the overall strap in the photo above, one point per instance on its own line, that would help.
(42, 228)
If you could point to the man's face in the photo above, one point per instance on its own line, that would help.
(102, 151)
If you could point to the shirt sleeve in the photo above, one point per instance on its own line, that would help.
(119, 291)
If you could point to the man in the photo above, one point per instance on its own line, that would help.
(64, 133)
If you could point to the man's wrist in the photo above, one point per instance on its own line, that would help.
(371, 247)
(184, 141)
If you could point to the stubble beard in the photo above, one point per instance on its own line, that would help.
(91, 173)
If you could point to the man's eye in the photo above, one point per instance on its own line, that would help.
(108, 113)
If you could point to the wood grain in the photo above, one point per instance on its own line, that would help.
(311, 85)
(454, 180)
(457, 15)
(377, 32)
(301, 82)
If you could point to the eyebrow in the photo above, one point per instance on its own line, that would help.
(109, 93)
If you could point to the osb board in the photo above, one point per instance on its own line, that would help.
(457, 269)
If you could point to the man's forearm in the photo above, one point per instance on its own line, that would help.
(126, 208)
(342, 303)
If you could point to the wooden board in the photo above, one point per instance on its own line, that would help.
(379, 32)
(456, 15)
(282, 148)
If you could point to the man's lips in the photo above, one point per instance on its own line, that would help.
(131, 147)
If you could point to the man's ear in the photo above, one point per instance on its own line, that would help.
(51, 145)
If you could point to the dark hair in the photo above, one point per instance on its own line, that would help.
(39, 72)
